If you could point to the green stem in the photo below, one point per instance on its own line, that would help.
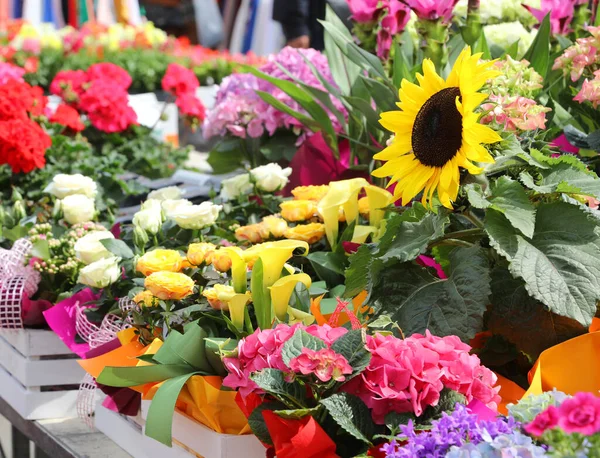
(463, 234)
(451, 242)
(471, 217)
(434, 36)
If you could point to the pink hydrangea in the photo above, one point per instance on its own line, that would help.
(545, 420)
(577, 58)
(112, 73)
(325, 364)
(590, 91)
(514, 113)
(262, 350)
(10, 72)
(580, 414)
(432, 9)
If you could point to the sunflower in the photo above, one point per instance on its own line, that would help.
(437, 131)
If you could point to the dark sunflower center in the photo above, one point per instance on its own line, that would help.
(437, 132)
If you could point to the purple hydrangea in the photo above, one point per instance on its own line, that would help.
(513, 445)
(452, 430)
(240, 111)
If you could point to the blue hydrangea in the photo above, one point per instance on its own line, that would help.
(528, 408)
(513, 445)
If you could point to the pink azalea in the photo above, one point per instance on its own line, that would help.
(364, 11)
(432, 9)
(561, 14)
(580, 414)
(325, 364)
(548, 419)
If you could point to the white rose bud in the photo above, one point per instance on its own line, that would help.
(89, 249)
(196, 216)
(168, 193)
(67, 185)
(170, 206)
(101, 273)
(150, 220)
(152, 204)
(236, 186)
(271, 177)
(77, 209)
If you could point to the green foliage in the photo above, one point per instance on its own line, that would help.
(352, 347)
(299, 341)
(352, 415)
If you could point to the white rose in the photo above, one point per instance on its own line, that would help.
(67, 185)
(77, 209)
(236, 186)
(168, 193)
(101, 273)
(88, 248)
(150, 220)
(170, 206)
(196, 216)
(152, 204)
(271, 177)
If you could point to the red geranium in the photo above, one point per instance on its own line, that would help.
(179, 80)
(23, 144)
(23, 97)
(107, 107)
(110, 72)
(190, 105)
(69, 84)
(68, 117)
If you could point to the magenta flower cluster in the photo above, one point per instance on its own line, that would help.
(239, 111)
(408, 375)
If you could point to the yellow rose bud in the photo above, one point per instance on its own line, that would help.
(145, 298)
(314, 193)
(251, 233)
(200, 253)
(298, 210)
(218, 296)
(158, 261)
(221, 261)
(363, 206)
(273, 226)
(309, 233)
(169, 285)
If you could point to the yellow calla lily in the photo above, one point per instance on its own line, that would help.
(341, 194)
(238, 268)
(362, 232)
(298, 316)
(237, 307)
(282, 290)
(378, 198)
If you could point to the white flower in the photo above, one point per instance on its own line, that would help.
(88, 248)
(168, 193)
(101, 273)
(270, 177)
(63, 185)
(171, 205)
(505, 34)
(77, 209)
(152, 204)
(196, 216)
(236, 186)
(150, 219)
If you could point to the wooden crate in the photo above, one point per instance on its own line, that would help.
(39, 375)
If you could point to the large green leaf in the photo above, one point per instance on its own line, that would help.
(226, 156)
(351, 414)
(260, 297)
(523, 320)
(538, 53)
(562, 177)
(273, 382)
(328, 266)
(509, 197)
(298, 342)
(352, 347)
(417, 301)
(560, 264)
(118, 248)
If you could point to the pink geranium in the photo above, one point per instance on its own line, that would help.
(69, 84)
(112, 73)
(580, 414)
(10, 72)
(325, 364)
(548, 419)
(107, 107)
(179, 80)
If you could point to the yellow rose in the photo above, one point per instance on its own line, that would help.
(314, 193)
(363, 206)
(169, 285)
(200, 253)
(221, 261)
(145, 298)
(273, 226)
(298, 210)
(159, 260)
(219, 296)
(251, 233)
(309, 233)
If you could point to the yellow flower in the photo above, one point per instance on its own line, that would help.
(377, 198)
(221, 261)
(315, 193)
(251, 254)
(363, 206)
(251, 233)
(169, 285)
(298, 210)
(309, 233)
(273, 226)
(158, 261)
(437, 132)
(145, 298)
(218, 296)
(200, 253)
(237, 306)
(298, 316)
(238, 268)
(282, 290)
(362, 232)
